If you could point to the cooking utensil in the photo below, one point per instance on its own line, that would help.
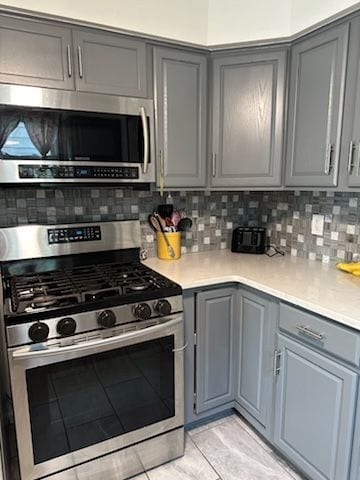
(184, 225)
(168, 246)
(175, 217)
(165, 210)
(154, 223)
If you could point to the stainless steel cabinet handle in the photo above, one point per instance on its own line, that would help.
(146, 138)
(181, 348)
(350, 157)
(310, 333)
(162, 173)
(69, 60)
(328, 159)
(276, 366)
(214, 164)
(81, 71)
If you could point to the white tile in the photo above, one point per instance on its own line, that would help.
(224, 198)
(296, 215)
(282, 242)
(201, 227)
(229, 225)
(334, 236)
(212, 219)
(312, 256)
(217, 233)
(350, 229)
(300, 238)
(278, 227)
(336, 210)
(353, 202)
(206, 240)
(294, 252)
(289, 229)
(319, 241)
(192, 466)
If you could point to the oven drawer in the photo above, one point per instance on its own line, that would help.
(323, 334)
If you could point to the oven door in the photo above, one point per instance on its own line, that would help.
(75, 403)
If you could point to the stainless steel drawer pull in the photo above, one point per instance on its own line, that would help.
(351, 157)
(310, 333)
(181, 348)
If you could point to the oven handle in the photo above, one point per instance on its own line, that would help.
(25, 353)
(146, 138)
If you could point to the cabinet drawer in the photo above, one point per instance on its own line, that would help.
(323, 334)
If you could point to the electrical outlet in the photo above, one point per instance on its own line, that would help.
(317, 225)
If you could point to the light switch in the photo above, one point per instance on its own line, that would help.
(317, 225)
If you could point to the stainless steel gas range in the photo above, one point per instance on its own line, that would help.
(95, 352)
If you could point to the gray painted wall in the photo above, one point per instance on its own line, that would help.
(286, 214)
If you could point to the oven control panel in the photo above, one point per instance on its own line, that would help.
(77, 172)
(77, 234)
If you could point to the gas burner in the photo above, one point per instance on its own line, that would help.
(101, 294)
(138, 288)
(44, 301)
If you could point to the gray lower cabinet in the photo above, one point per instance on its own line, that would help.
(314, 411)
(35, 53)
(255, 346)
(215, 315)
(180, 93)
(317, 78)
(355, 459)
(110, 64)
(248, 119)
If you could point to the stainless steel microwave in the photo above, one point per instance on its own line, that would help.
(58, 136)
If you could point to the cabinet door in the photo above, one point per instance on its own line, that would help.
(248, 119)
(318, 69)
(254, 352)
(355, 458)
(351, 127)
(315, 403)
(36, 54)
(214, 350)
(110, 64)
(180, 102)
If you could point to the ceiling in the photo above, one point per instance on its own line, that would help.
(205, 22)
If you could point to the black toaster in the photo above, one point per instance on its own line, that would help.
(249, 240)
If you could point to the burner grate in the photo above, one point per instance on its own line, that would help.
(68, 286)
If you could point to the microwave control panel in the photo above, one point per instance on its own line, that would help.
(77, 172)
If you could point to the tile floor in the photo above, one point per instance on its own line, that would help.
(224, 449)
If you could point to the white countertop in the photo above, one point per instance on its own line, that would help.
(318, 287)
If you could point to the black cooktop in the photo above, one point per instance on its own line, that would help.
(79, 288)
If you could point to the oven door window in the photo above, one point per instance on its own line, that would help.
(81, 402)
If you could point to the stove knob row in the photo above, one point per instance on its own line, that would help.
(106, 319)
(163, 308)
(66, 327)
(38, 332)
(142, 311)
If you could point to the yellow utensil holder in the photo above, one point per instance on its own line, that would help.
(162, 248)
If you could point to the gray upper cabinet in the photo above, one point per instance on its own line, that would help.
(248, 119)
(110, 64)
(180, 81)
(35, 54)
(315, 404)
(255, 348)
(215, 313)
(350, 153)
(317, 77)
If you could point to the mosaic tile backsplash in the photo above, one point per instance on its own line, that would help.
(287, 215)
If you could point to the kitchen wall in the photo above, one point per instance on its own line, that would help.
(184, 20)
(287, 215)
(205, 22)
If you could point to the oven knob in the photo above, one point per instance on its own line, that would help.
(107, 318)
(38, 332)
(163, 307)
(142, 311)
(66, 326)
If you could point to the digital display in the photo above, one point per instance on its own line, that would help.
(77, 234)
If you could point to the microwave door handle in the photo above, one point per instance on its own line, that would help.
(139, 335)
(146, 138)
